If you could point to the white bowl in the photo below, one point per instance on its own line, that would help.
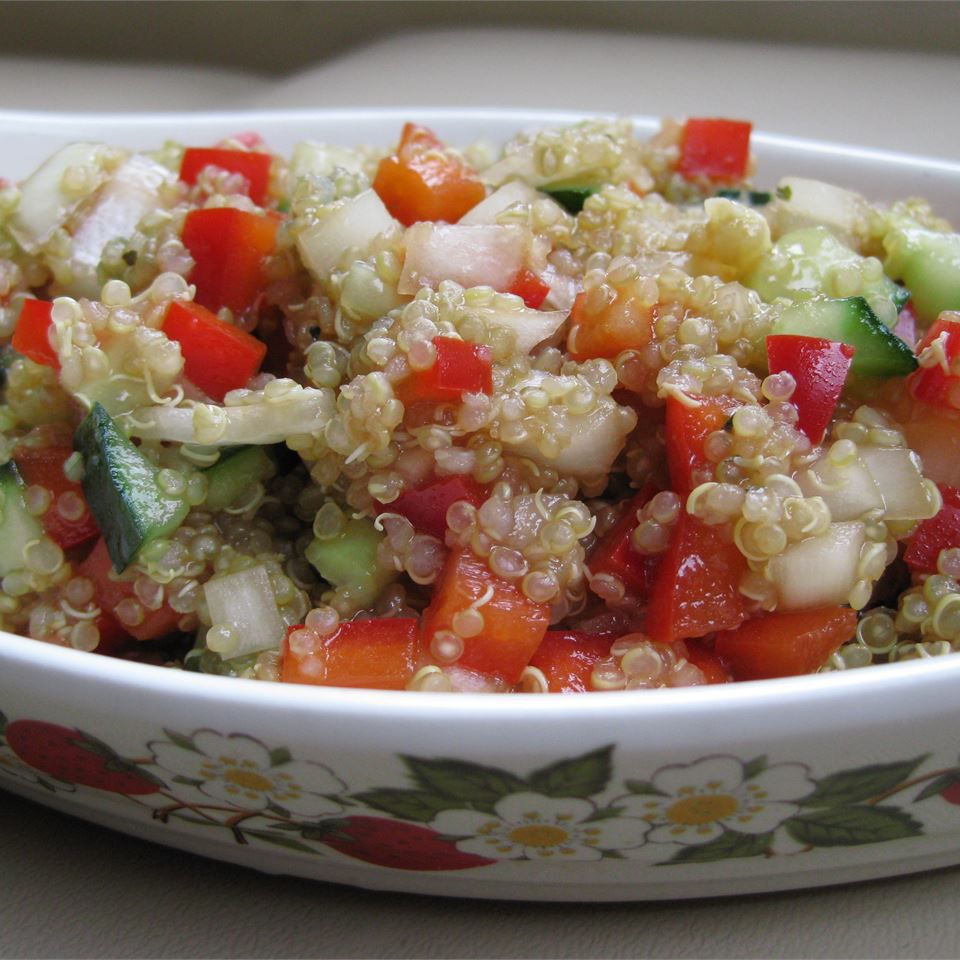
(627, 796)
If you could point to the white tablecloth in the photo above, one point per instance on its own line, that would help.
(71, 889)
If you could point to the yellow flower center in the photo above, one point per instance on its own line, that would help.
(248, 779)
(538, 835)
(691, 811)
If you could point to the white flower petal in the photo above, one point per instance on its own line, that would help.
(464, 823)
(613, 834)
(311, 777)
(783, 781)
(647, 806)
(784, 845)
(680, 833)
(557, 854)
(307, 804)
(495, 849)
(185, 763)
(520, 807)
(714, 774)
(236, 747)
(760, 818)
(236, 796)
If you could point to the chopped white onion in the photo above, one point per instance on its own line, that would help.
(44, 205)
(115, 211)
(515, 192)
(531, 327)
(321, 159)
(303, 411)
(849, 490)
(811, 203)
(473, 255)
(351, 226)
(820, 571)
(897, 473)
(245, 603)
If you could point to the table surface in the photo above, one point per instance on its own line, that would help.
(70, 889)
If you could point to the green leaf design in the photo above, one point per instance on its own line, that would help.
(754, 767)
(862, 783)
(577, 777)
(290, 827)
(643, 788)
(464, 784)
(935, 787)
(185, 781)
(3, 723)
(280, 840)
(179, 740)
(852, 826)
(418, 805)
(279, 756)
(611, 855)
(727, 846)
(604, 813)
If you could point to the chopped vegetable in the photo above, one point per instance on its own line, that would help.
(348, 561)
(937, 380)
(459, 368)
(426, 506)
(32, 334)
(941, 532)
(566, 659)
(689, 422)
(715, 148)
(624, 322)
(928, 262)
(243, 613)
(253, 167)
(18, 527)
(529, 288)
(615, 555)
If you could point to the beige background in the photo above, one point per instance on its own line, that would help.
(882, 75)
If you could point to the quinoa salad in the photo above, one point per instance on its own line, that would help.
(581, 412)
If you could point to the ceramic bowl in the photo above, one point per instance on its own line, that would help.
(625, 796)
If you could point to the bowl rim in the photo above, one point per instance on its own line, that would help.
(882, 684)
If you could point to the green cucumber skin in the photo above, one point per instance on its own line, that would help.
(17, 526)
(879, 353)
(571, 197)
(232, 475)
(121, 488)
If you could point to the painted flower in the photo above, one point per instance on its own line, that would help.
(695, 803)
(241, 771)
(535, 827)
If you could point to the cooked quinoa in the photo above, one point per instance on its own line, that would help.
(584, 412)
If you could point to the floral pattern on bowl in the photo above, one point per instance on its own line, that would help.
(457, 815)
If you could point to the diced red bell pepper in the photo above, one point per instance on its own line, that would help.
(110, 591)
(426, 506)
(939, 385)
(228, 247)
(460, 367)
(566, 658)
(938, 533)
(423, 181)
(513, 624)
(785, 644)
(820, 369)
(217, 356)
(254, 167)
(114, 638)
(614, 553)
(43, 467)
(529, 288)
(378, 654)
(626, 323)
(715, 148)
(32, 334)
(695, 590)
(704, 657)
(686, 429)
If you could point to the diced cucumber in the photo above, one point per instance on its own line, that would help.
(755, 198)
(349, 561)
(122, 489)
(813, 262)
(879, 352)
(235, 474)
(17, 525)
(929, 264)
(569, 194)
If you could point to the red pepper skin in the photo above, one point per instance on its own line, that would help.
(932, 384)
(514, 625)
(938, 533)
(217, 356)
(228, 247)
(426, 506)
(378, 654)
(687, 429)
(255, 167)
(785, 644)
(695, 590)
(715, 148)
(32, 335)
(43, 466)
(566, 658)
(614, 553)
(423, 182)
(460, 367)
(820, 369)
(704, 657)
(529, 288)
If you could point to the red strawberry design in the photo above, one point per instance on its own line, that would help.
(76, 757)
(952, 793)
(392, 843)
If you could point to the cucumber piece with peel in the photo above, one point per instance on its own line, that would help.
(928, 262)
(18, 527)
(232, 478)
